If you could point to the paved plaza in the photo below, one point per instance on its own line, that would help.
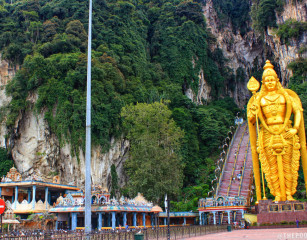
(253, 234)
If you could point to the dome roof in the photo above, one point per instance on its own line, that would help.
(156, 209)
(139, 198)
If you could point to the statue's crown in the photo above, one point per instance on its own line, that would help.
(269, 70)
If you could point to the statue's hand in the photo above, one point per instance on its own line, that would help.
(290, 133)
(254, 109)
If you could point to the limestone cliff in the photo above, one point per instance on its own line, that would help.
(36, 150)
(284, 54)
(204, 90)
(250, 50)
(241, 51)
(6, 74)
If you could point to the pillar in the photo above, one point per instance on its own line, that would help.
(134, 219)
(99, 221)
(228, 212)
(200, 218)
(56, 222)
(16, 197)
(0, 191)
(125, 219)
(46, 197)
(144, 220)
(29, 195)
(214, 220)
(242, 212)
(73, 221)
(113, 220)
(184, 221)
(165, 221)
(33, 196)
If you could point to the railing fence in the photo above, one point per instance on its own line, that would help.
(177, 232)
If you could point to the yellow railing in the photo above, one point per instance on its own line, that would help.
(225, 162)
(235, 162)
(243, 169)
(251, 180)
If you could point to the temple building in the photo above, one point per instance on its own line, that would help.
(222, 210)
(179, 218)
(36, 196)
(40, 203)
(31, 195)
(106, 213)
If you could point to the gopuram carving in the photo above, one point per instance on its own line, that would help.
(276, 141)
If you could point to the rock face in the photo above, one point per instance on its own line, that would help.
(284, 54)
(36, 150)
(204, 90)
(249, 51)
(6, 74)
(242, 52)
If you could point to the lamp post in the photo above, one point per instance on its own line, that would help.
(88, 185)
(166, 204)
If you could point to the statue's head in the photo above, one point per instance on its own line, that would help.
(269, 77)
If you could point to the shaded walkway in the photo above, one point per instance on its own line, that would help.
(253, 234)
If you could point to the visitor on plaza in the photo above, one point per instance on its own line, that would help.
(297, 223)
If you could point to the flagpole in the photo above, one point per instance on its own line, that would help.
(88, 185)
(166, 204)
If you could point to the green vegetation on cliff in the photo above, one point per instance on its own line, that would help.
(143, 52)
(6, 161)
(234, 11)
(263, 13)
(291, 29)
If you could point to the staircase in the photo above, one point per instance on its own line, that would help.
(224, 217)
(239, 161)
(235, 181)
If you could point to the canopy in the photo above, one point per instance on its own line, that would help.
(250, 218)
(10, 221)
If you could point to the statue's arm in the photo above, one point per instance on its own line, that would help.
(252, 110)
(297, 111)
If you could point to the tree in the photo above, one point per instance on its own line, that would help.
(114, 182)
(76, 28)
(154, 166)
(5, 162)
(266, 14)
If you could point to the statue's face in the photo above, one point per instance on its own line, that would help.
(270, 83)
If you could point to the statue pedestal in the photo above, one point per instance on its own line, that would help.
(286, 211)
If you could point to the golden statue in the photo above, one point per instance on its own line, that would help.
(275, 140)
